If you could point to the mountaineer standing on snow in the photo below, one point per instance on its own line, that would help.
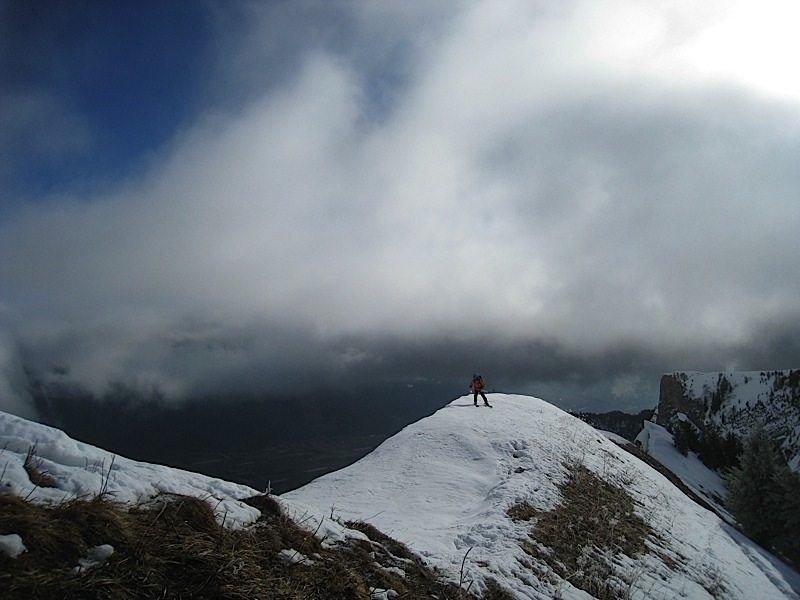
(477, 385)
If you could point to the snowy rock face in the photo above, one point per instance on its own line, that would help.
(735, 402)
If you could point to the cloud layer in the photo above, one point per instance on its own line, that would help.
(573, 196)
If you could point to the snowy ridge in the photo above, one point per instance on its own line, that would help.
(442, 486)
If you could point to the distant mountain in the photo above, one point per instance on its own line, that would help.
(623, 424)
(706, 410)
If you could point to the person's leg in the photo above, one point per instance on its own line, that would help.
(485, 401)
(476, 398)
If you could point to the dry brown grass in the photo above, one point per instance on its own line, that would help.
(33, 467)
(172, 547)
(523, 511)
(577, 540)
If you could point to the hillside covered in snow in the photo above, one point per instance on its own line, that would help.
(734, 403)
(519, 501)
(475, 490)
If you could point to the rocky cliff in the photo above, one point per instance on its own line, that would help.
(719, 404)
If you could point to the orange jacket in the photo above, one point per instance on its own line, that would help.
(477, 384)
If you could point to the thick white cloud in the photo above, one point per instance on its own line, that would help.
(569, 173)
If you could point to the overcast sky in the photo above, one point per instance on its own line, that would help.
(571, 197)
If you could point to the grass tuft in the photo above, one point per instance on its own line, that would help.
(33, 467)
(523, 511)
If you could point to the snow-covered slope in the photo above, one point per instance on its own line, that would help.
(443, 485)
(78, 470)
(658, 443)
(735, 402)
(75, 470)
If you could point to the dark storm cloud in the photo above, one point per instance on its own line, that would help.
(535, 193)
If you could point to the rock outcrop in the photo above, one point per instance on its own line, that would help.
(718, 404)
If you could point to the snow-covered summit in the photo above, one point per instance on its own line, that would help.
(443, 486)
